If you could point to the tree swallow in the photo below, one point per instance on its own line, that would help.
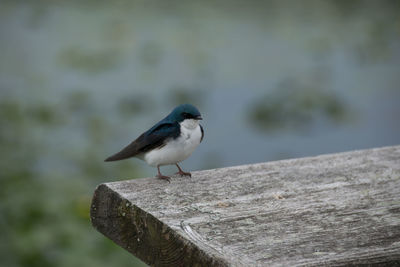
(169, 142)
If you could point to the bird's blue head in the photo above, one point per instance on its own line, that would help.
(185, 111)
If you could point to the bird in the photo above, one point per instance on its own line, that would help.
(168, 142)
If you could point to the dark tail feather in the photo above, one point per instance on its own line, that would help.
(128, 152)
(119, 156)
(113, 158)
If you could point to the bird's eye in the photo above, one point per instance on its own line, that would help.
(186, 115)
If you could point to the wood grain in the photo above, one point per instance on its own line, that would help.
(337, 209)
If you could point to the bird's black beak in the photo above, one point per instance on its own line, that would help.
(198, 118)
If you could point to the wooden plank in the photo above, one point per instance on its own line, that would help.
(336, 209)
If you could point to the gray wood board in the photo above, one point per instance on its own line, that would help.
(335, 209)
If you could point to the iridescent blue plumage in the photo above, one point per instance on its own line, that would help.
(180, 113)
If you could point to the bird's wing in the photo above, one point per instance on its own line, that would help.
(153, 138)
(202, 133)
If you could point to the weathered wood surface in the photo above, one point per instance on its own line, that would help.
(334, 209)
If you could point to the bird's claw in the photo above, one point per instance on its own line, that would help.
(182, 173)
(163, 177)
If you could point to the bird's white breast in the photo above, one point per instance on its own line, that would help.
(179, 149)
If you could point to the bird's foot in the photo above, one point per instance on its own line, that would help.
(163, 177)
(182, 173)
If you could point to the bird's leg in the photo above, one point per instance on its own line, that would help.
(160, 176)
(182, 173)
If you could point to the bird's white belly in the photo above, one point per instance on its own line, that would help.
(175, 150)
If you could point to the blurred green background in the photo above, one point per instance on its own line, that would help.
(81, 79)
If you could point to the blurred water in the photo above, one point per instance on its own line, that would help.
(225, 58)
(273, 80)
